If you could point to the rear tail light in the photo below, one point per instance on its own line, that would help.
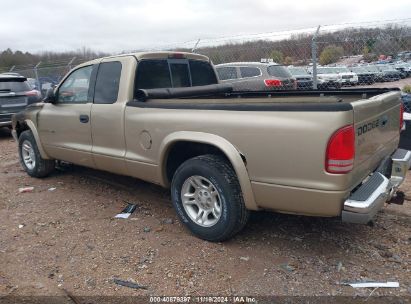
(32, 93)
(273, 82)
(341, 151)
(401, 116)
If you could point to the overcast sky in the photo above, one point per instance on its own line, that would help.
(116, 25)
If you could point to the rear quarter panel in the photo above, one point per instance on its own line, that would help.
(285, 148)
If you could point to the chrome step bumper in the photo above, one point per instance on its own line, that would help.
(364, 202)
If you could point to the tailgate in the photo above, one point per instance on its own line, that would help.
(12, 102)
(377, 127)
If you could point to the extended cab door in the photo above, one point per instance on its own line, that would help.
(113, 88)
(64, 126)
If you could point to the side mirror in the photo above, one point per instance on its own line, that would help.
(50, 96)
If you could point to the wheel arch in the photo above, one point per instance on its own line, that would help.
(25, 125)
(216, 145)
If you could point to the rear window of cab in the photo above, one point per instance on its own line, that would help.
(173, 73)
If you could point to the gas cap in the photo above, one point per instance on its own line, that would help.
(145, 140)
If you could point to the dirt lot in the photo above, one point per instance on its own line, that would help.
(392, 84)
(66, 241)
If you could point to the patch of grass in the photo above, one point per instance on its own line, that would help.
(407, 88)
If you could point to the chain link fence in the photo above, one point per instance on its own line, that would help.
(368, 54)
(44, 75)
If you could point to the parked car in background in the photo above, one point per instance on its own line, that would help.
(404, 68)
(378, 75)
(328, 77)
(347, 77)
(406, 101)
(364, 76)
(15, 95)
(11, 74)
(256, 76)
(388, 72)
(303, 78)
(46, 83)
(33, 83)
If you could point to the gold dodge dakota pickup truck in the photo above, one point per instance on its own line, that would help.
(164, 118)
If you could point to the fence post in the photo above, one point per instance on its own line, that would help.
(195, 46)
(314, 57)
(37, 75)
(70, 63)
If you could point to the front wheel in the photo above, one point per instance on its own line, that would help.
(30, 158)
(207, 197)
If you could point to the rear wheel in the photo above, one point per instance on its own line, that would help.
(30, 158)
(208, 199)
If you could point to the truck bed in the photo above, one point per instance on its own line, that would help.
(224, 93)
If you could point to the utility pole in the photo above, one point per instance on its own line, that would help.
(37, 75)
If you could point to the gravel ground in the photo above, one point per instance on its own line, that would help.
(392, 84)
(66, 241)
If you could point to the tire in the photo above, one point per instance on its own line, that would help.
(217, 175)
(30, 158)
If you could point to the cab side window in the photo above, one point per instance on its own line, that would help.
(76, 87)
(107, 83)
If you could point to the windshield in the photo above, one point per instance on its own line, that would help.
(359, 70)
(343, 70)
(297, 71)
(372, 68)
(385, 68)
(327, 70)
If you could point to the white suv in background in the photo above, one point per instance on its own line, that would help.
(328, 77)
(347, 77)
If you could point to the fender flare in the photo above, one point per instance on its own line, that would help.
(33, 129)
(230, 151)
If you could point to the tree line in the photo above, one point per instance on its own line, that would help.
(9, 58)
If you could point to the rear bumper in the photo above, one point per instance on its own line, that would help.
(5, 124)
(366, 200)
(304, 84)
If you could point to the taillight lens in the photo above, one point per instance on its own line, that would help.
(341, 151)
(401, 116)
(32, 93)
(176, 56)
(273, 82)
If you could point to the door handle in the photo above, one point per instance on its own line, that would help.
(84, 118)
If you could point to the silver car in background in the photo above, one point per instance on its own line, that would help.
(256, 76)
(328, 77)
(347, 77)
(304, 79)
